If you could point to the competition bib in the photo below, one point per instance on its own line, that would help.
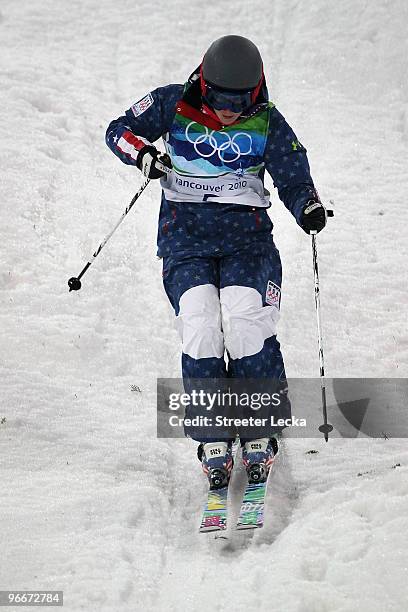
(216, 164)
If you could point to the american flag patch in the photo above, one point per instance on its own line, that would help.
(273, 294)
(142, 105)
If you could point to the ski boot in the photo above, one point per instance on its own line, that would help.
(257, 457)
(216, 460)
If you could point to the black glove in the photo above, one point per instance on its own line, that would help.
(153, 163)
(313, 217)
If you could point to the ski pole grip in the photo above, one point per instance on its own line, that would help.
(163, 168)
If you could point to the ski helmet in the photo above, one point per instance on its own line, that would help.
(233, 63)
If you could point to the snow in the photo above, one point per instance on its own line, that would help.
(92, 502)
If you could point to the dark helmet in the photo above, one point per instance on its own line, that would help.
(232, 62)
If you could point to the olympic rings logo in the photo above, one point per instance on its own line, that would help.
(229, 144)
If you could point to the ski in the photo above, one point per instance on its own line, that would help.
(214, 516)
(215, 512)
(258, 457)
(251, 515)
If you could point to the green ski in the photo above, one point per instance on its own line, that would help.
(251, 515)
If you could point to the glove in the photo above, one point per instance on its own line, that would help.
(314, 217)
(153, 163)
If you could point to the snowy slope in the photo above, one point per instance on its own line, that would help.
(92, 503)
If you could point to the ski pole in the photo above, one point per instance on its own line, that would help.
(74, 283)
(326, 428)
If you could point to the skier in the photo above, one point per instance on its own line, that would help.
(221, 268)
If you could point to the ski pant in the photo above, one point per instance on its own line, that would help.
(228, 306)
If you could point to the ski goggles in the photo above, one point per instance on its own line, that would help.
(222, 99)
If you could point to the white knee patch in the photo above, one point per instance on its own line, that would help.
(199, 322)
(245, 321)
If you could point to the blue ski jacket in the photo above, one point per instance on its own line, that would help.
(206, 224)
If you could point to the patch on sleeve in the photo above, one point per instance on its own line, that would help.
(273, 295)
(142, 105)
